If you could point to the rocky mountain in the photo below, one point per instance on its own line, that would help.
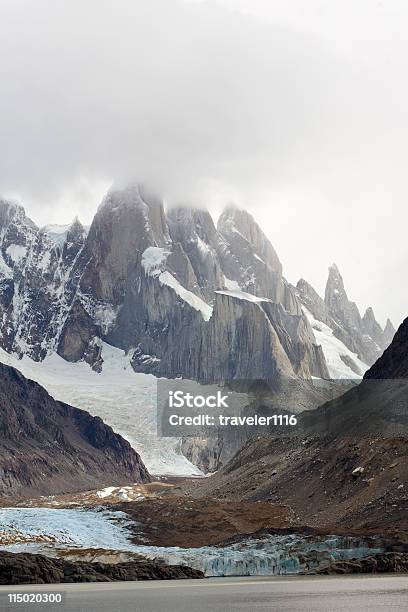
(176, 292)
(345, 467)
(363, 336)
(48, 447)
(181, 296)
(37, 283)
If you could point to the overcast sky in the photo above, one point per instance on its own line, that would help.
(295, 110)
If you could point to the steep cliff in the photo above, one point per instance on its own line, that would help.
(47, 447)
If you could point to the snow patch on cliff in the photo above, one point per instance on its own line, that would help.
(57, 233)
(231, 285)
(187, 296)
(336, 353)
(153, 260)
(242, 295)
(17, 252)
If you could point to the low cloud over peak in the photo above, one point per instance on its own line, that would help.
(209, 105)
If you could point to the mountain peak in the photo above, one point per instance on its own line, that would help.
(76, 223)
(389, 333)
(239, 226)
(10, 210)
(372, 328)
(334, 273)
(60, 233)
(76, 229)
(335, 290)
(389, 326)
(122, 196)
(191, 221)
(234, 214)
(134, 208)
(369, 317)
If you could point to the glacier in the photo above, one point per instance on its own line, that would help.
(49, 530)
(125, 400)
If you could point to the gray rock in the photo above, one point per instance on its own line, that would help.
(72, 291)
(24, 568)
(389, 333)
(362, 335)
(48, 447)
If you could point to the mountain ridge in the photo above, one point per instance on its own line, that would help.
(48, 447)
(70, 292)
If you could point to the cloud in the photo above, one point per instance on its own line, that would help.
(174, 92)
(203, 102)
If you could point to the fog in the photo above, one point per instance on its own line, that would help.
(295, 110)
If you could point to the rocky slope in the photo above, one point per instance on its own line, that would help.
(385, 563)
(349, 467)
(174, 520)
(47, 447)
(22, 568)
(394, 362)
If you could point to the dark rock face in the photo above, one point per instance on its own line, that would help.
(77, 334)
(259, 270)
(36, 284)
(47, 447)
(195, 231)
(256, 348)
(23, 568)
(248, 258)
(381, 563)
(276, 345)
(394, 361)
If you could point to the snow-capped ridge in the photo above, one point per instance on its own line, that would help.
(12, 211)
(58, 234)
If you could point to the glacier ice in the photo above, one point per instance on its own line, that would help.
(48, 529)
